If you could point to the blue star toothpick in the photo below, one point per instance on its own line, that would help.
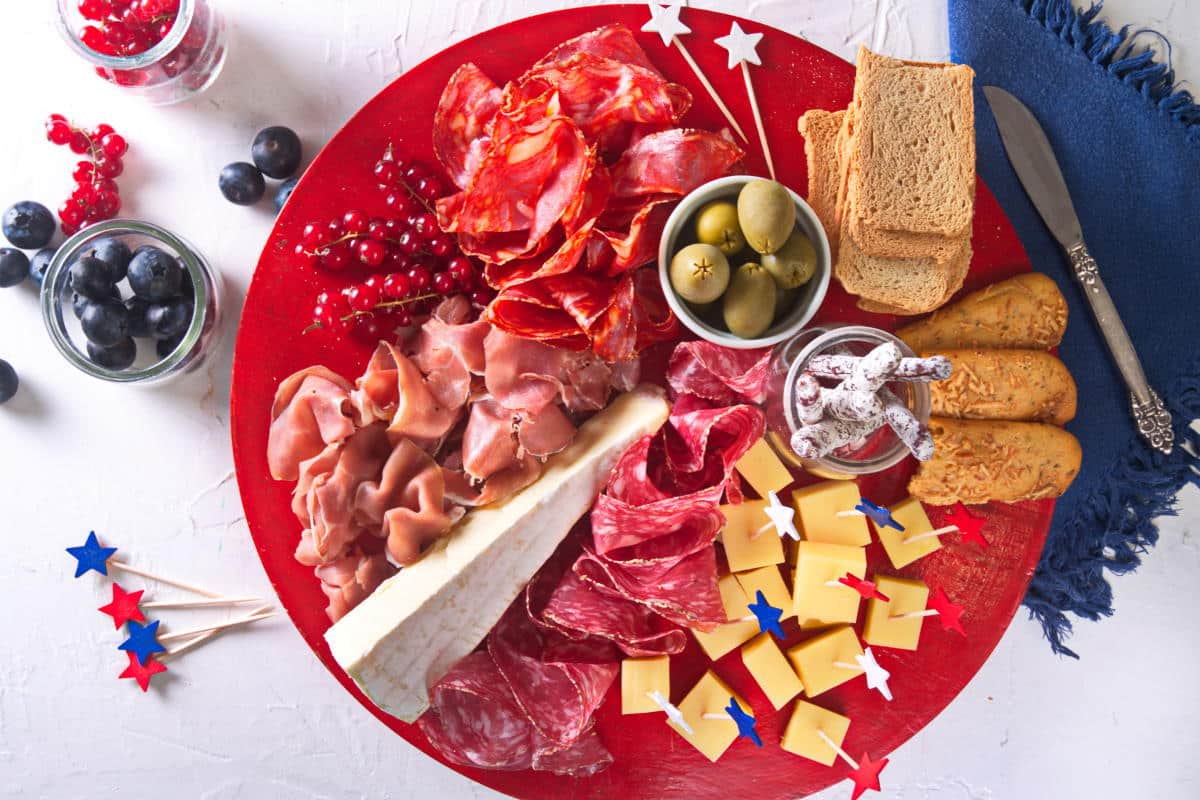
(142, 641)
(881, 516)
(91, 556)
(745, 722)
(768, 615)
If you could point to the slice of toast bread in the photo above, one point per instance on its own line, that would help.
(820, 130)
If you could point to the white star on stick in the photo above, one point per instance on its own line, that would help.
(877, 676)
(740, 46)
(782, 517)
(673, 713)
(664, 20)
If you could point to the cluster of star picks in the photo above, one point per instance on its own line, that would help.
(143, 642)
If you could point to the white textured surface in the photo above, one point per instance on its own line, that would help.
(254, 714)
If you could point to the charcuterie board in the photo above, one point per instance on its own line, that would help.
(649, 759)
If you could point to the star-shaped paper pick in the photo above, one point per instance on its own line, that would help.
(866, 775)
(969, 525)
(880, 515)
(91, 556)
(142, 673)
(745, 722)
(877, 676)
(767, 614)
(866, 588)
(783, 517)
(142, 641)
(740, 46)
(124, 606)
(664, 20)
(949, 614)
(672, 711)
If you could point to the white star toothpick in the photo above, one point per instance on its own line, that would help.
(741, 47)
(664, 20)
(877, 676)
(673, 713)
(783, 518)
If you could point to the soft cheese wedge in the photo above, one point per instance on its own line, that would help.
(418, 624)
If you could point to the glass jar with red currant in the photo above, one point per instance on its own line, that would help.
(164, 50)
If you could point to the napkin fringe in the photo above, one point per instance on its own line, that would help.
(1115, 525)
(1114, 51)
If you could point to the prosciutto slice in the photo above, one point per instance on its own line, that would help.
(311, 411)
(348, 580)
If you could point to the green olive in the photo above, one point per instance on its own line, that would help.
(767, 215)
(717, 224)
(749, 307)
(699, 273)
(784, 300)
(794, 264)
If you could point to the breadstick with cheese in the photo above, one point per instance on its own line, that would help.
(1029, 385)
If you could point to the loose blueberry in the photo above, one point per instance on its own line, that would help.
(28, 225)
(115, 254)
(9, 382)
(139, 326)
(154, 274)
(276, 151)
(89, 277)
(167, 320)
(164, 347)
(242, 183)
(119, 356)
(284, 192)
(14, 266)
(40, 263)
(80, 302)
(105, 323)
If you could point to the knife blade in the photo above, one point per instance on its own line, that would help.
(1032, 158)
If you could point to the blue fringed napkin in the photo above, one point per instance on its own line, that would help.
(1128, 141)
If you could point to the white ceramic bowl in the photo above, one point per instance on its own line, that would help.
(678, 234)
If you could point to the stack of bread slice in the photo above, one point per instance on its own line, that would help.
(892, 179)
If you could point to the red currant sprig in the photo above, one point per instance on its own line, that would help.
(95, 196)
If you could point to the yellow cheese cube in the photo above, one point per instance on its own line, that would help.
(817, 564)
(729, 636)
(639, 677)
(769, 581)
(814, 660)
(818, 506)
(762, 469)
(882, 627)
(766, 662)
(744, 550)
(911, 514)
(711, 737)
(800, 736)
(737, 605)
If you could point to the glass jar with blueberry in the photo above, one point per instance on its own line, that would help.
(130, 302)
(163, 50)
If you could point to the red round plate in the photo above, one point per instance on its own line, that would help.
(651, 760)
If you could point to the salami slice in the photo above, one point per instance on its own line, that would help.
(673, 162)
(720, 374)
(585, 606)
(612, 41)
(585, 756)
(466, 109)
(682, 590)
(701, 444)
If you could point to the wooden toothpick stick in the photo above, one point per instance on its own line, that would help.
(220, 626)
(207, 603)
(203, 637)
(825, 737)
(708, 87)
(758, 120)
(123, 567)
(929, 612)
(929, 535)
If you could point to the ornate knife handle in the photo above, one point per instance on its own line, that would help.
(1152, 418)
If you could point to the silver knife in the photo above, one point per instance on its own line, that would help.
(1033, 159)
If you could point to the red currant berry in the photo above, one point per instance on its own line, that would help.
(371, 252)
(79, 143)
(71, 213)
(85, 194)
(68, 229)
(419, 278)
(118, 6)
(397, 261)
(428, 189)
(443, 283)
(398, 202)
(109, 204)
(441, 246)
(83, 172)
(465, 281)
(101, 130)
(313, 236)
(396, 226)
(387, 174)
(336, 257)
(402, 317)
(334, 229)
(322, 314)
(408, 243)
(481, 297)
(414, 173)
(114, 145)
(377, 229)
(396, 286)
(354, 223)
(367, 327)
(94, 39)
(58, 130)
(363, 297)
(110, 167)
(106, 185)
(118, 34)
(425, 224)
(459, 266)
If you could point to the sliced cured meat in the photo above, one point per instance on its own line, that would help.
(449, 338)
(680, 589)
(588, 607)
(311, 411)
(673, 162)
(376, 393)
(617, 250)
(719, 374)
(425, 410)
(489, 442)
(406, 505)
(347, 581)
(672, 527)
(460, 123)
(585, 756)
(524, 375)
(612, 41)
(461, 490)
(701, 443)
(545, 432)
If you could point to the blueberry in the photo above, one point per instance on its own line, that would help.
(119, 356)
(284, 192)
(167, 320)
(40, 263)
(9, 382)
(14, 267)
(29, 226)
(154, 274)
(79, 302)
(276, 151)
(164, 347)
(115, 255)
(89, 277)
(105, 323)
(242, 183)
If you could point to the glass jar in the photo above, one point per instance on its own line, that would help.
(875, 452)
(197, 340)
(185, 62)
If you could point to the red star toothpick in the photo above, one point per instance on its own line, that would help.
(948, 614)
(142, 673)
(866, 588)
(969, 525)
(124, 606)
(866, 775)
